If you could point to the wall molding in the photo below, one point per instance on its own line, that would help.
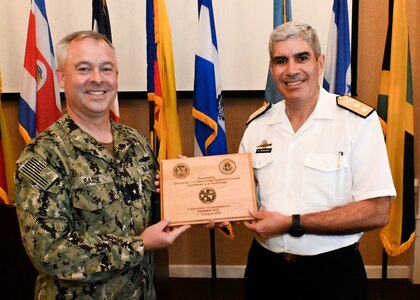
(237, 271)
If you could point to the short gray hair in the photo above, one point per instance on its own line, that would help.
(295, 29)
(63, 45)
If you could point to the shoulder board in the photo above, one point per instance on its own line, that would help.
(259, 112)
(355, 106)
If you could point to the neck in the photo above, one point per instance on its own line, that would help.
(299, 111)
(98, 127)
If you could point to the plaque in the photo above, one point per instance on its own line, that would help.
(194, 190)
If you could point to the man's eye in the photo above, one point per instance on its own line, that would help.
(303, 58)
(83, 69)
(280, 61)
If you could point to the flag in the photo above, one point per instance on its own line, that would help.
(282, 11)
(39, 104)
(161, 87)
(7, 160)
(395, 107)
(337, 75)
(101, 24)
(210, 136)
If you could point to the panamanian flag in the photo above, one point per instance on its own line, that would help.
(39, 104)
(337, 76)
(210, 137)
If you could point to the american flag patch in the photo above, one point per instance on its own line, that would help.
(38, 173)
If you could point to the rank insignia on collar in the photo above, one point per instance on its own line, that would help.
(264, 147)
(355, 106)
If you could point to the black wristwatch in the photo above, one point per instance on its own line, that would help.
(296, 230)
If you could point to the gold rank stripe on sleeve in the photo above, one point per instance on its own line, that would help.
(259, 112)
(355, 106)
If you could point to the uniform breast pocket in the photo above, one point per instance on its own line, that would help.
(95, 196)
(262, 164)
(323, 179)
(261, 161)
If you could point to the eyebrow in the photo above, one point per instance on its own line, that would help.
(295, 55)
(90, 63)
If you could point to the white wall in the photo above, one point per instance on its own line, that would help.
(243, 27)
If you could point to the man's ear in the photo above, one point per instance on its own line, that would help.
(60, 78)
(321, 63)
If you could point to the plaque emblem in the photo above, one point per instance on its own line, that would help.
(181, 170)
(227, 166)
(207, 195)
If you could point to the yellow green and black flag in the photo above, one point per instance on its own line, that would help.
(395, 107)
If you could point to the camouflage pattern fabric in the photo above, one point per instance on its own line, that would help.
(81, 212)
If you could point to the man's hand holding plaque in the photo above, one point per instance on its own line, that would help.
(198, 189)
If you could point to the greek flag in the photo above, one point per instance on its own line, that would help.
(210, 137)
(337, 76)
(39, 104)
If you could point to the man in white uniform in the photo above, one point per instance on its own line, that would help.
(322, 177)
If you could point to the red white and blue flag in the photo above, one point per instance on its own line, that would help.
(39, 104)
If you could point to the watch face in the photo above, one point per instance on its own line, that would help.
(296, 231)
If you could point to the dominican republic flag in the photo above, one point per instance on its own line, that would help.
(102, 24)
(210, 137)
(337, 76)
(282, 12)
(39, 104)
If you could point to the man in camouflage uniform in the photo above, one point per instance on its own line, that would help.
(85, 186)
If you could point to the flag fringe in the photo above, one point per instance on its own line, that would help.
(209, 122)
(24, 133)
(227, 231)
(3, 197)
(393, 250)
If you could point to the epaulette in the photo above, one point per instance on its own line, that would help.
(355, 106)
(259, 112)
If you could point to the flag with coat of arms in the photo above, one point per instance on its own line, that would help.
(39, 104)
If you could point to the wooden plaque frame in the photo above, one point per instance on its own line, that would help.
(197, 189)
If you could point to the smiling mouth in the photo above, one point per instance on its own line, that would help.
(96, 93)
(293, 83)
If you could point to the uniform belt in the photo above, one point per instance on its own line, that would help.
(327, 255)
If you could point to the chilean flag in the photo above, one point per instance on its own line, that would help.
(39, 104)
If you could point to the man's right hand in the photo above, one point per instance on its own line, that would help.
(160, 236)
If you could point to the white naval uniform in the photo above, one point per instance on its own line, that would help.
(335, 158)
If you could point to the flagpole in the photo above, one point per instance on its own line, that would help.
(384, 272)
(161, 256)
(213, 265)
